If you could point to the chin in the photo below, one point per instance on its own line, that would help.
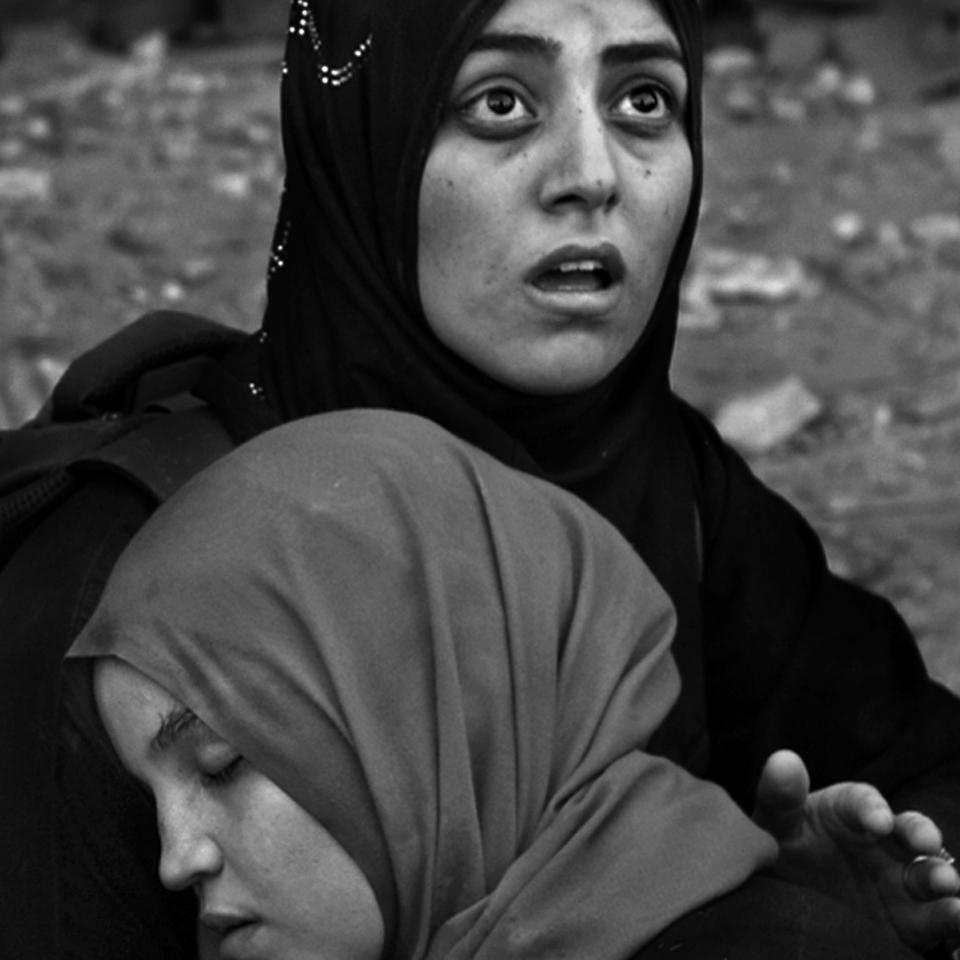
(555, 381)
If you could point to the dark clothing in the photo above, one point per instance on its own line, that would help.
(78, 844)
(767, 919)
(796, 657)
(774, 651)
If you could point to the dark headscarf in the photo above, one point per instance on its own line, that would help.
(403, 635)
(364, 86)
(769, 643)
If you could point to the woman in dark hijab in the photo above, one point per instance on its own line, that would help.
(364, 291)
(487, 212)
(363, 300)
(401, 634)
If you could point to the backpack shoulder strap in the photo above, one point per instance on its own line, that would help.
(112, 375)
(164, 452)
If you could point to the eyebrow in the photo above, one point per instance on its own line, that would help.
(525, 43)
(641, 50)
(548, 49)
(174, 726)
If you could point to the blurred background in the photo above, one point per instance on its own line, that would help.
(140, 167)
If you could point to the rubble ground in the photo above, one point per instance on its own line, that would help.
(821, 315)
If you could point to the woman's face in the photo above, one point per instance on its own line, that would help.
(272, 883)
(555, 191)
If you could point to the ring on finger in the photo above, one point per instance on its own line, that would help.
(942, 854)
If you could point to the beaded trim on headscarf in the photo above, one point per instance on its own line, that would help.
(328, 75)
(254, 387)
(276, 254)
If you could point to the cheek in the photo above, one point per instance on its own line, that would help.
(321, 887)
(660, 199)
(678, 186)
(444, 223)
(467, 214)
(273, 824)
(465, 227)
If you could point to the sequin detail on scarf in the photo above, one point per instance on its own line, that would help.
(277, 253)
(305, 26)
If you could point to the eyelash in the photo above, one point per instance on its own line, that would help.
(225, 774)
(499, 127)
(503, 126)
(666, 97)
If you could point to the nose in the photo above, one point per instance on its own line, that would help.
(189, 851)
(581, 170)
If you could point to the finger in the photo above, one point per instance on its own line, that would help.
(915, 834)
(861, 809)
(781, 794)
(930, 878)
(939, 920)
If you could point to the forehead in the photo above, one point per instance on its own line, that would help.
(133, 708)
(582, 19)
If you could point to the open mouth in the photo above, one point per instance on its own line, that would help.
(578, 269)
(581, 276)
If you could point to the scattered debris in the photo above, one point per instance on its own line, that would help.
(172, 291)
(935, 400)
(849, 227)
(858, 91)
(19, 184)
(756, 423)
(236, 185)
(136, 236)
(698, 311)
(935, 230)
(197, 270)
(731, 61)
(786, 108)
(26, 380)
(945, 117)
(734, 276)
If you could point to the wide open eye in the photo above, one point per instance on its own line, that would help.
(495, 110)
(646, 104)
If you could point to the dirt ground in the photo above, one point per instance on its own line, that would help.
(827, 271)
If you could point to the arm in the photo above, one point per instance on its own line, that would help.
(797, 658)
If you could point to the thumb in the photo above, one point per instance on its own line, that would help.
(782, 794)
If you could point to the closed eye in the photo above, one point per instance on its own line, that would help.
(223, 775)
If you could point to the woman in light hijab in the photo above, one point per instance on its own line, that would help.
(419, 684)
(391, 699)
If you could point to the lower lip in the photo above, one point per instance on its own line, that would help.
(240, 943)
(575, 303)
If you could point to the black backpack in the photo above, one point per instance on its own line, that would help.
(124, 425)
(124, 407)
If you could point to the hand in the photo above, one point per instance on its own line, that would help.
(845, 841)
